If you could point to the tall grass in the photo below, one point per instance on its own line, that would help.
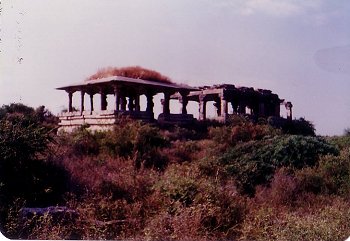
(144, 183)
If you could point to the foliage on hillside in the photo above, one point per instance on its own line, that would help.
(243, 181)
(25, 169)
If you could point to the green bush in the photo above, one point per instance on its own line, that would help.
(331, 223)
(330, 176)
(179, 189)
(299, 127)
(254, 162)
(342, 142)
(26, 171)
(242, 130)
(147, 143)
(39, 115)
(83, 142)
(22, 139)
(300, 151)
(221, 135)
(24, 145)
(181, 151)
(17, 108)
(121, 140)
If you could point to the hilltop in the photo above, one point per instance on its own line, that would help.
(242, 180)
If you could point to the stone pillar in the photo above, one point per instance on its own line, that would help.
(82, 107)
(241, 108)
(217, 105)
(103, 101)
(70, 101)
(122, 103)
(255, 109)
(277, 109)
(131, 103)
(184, 100)
(166, 103)
(234, 107)
(150, 103)
(117, 98)
(137, 102)
(289, 107)
(261, 109)
(91, 103)
(223, 109)
(202, 108)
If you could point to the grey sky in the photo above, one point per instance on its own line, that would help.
(299, 49)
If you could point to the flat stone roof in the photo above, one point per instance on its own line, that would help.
(126, 81)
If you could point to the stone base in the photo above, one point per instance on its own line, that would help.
(101, 121)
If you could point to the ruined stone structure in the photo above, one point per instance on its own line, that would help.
(127, 92)
(243, 100)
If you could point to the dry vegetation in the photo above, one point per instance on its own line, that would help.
(244, 181)
(135, 72)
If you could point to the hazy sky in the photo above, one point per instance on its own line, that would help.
(300, 49)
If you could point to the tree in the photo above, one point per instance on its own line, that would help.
(24, 170)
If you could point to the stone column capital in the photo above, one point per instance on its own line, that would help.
(202, 98)
(70, 92)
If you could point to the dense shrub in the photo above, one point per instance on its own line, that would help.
(140, 181)
(40, 115)
(147, 144)
(21, 138)
(254, 162)
(330, 176)
(328, 222)
(242, 130)
(347, 132)
(221, 135)
(121, 140)
(342, 142)
(299, 127)
(129, 139)
(196, 208)
(181, 151)
(178, 133)
(179, 188)
(26, 172)
(82, 142)
(250, 131)
(282, 191)
(23, 171)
